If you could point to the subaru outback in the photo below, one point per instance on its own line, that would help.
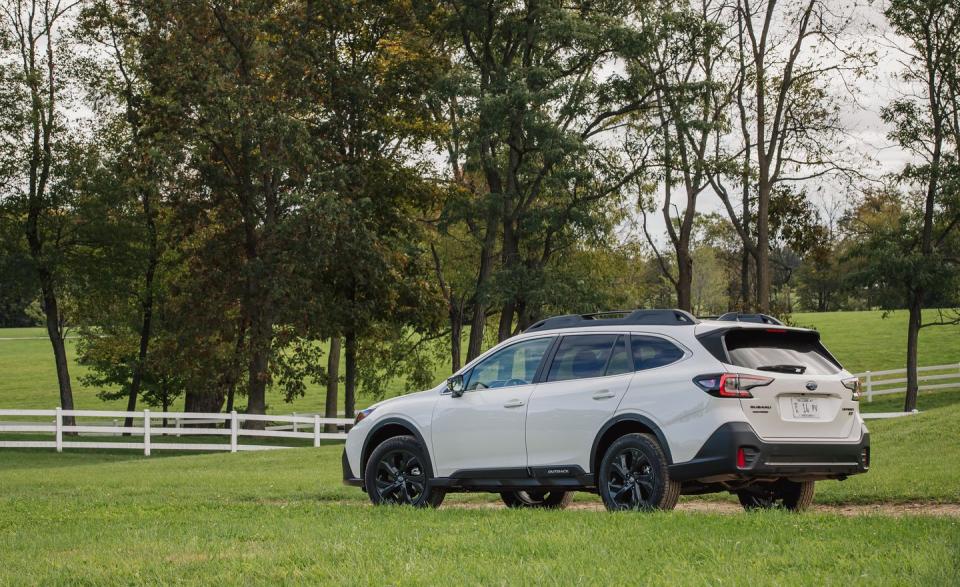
(640, 407)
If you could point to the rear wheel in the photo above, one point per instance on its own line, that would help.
(397, 473)
(634, 476)
(537, 499)
(788, 495)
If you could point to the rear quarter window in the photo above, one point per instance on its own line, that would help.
(784, 351)
(650, 352)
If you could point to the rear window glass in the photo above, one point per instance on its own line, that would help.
(779, 352)
(580, 357)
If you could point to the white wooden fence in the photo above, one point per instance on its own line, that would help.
(880, 382)
(151, 426)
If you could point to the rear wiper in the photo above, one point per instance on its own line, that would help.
(795, 369)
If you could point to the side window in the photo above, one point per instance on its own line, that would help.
(620, 361)
(650, 352)
(514, 365)
(579, 357)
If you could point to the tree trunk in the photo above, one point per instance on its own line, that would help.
(456, 334)
(145, 327)
(233, 371)
(913, 335)
(684, 284)
(51, 310)
(505, 329)
(479, 321)
(350, 377)
(745, 280)
(333, 382)
(205, 402)
(763, 247)
(261, 335)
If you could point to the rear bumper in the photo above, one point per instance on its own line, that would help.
(717, 459)
(348, 477)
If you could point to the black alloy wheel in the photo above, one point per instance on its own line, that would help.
(397, 473)
(631, 480)
(634, 476)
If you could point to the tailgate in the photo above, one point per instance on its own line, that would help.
(806, 397)
(795, 406)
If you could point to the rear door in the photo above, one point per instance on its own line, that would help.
(806, 399)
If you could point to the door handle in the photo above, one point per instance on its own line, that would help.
(514, 403)
(604, 394)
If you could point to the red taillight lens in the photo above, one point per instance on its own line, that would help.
(731, 384)
(741, 459)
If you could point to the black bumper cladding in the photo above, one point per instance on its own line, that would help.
(348, 478)
(718, 457)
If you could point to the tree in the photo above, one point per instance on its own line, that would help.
(886, 229)
(690, 107)
(127, 202)
(37, 144)
(910, 240)
(788, 116)
(536, 92)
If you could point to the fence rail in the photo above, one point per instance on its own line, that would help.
(879, 382)
(151, 425)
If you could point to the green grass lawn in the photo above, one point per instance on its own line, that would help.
(85, 517)
(861, 340)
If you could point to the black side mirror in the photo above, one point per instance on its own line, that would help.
(456, 385)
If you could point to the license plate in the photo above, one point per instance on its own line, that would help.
(805, 408)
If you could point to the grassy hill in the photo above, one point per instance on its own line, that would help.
(861, 340)
(284, 517)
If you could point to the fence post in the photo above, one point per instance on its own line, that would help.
(233, 431)
(115, 425)
(59, 432)
(316, 430)
(178, 427)
(295, 429)
(146, 433)
(869, 387)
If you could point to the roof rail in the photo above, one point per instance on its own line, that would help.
(755, 318)
(629, 318)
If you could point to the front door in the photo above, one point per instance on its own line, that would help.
(484, 428)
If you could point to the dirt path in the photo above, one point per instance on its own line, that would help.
(725, 507)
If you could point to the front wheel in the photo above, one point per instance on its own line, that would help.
(397, 473)
(537, 499)
(634, 476)
(788, 495)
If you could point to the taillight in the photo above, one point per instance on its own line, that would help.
(853, 385)
(731, 384)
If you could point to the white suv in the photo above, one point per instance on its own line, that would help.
(640, 407)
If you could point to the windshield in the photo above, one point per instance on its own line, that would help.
(780, 351)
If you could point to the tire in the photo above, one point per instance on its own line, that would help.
(634, 476)
(537, 499)
(398, 472)
(795, 496)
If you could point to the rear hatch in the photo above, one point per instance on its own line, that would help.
(806, 397)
